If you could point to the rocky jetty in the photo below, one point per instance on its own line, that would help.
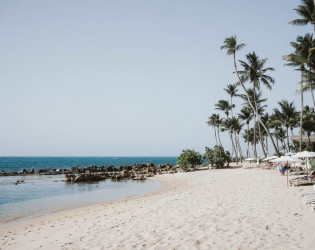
(134, 172)
(97, 173)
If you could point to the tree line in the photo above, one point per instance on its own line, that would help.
(252, 123)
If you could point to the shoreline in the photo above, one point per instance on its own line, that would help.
(71, 207)
(247, 208)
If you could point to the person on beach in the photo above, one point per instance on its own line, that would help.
(283, 168)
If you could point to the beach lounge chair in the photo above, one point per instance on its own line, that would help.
(300, 182)
(309, 199)
(309, 192)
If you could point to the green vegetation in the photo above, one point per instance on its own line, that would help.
(254, 72)
(189, 158)
(217, 156)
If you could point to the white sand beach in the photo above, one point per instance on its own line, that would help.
(224, 209)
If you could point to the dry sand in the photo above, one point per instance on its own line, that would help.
(225, 209)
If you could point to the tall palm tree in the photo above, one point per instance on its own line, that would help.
(229, 125)
(237, 129)
(224, 106)
(307, 13)
(309, 123)
(298, 59)
(232, 91)
(231, 46)
(288, 116)
(266, 120)
(257, 101)
(246, 115)
(254, 71)
(212, 122)
(306, 45)
(280, 135)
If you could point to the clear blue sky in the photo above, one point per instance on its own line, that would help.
(129, 78)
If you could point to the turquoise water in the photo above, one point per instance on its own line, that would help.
(17, 163)
(40, 195)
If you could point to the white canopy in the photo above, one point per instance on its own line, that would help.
(286, 159)
(305, 154)
(290, 154)
(250, 159)
(270, 158)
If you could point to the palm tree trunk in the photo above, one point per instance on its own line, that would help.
(233, 146)
(311, 89)
(240, 148)
(267, 131)
(247, 152)
(288, 142)
(215, 134)
(262, 141)
(266, 138)
(231, 107)
(255, 152)
(219, 136)
(302, 108)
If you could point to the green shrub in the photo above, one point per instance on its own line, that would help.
(312, 163)
(189, 158)
(217, 156)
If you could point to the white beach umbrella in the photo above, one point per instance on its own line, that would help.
(290, 154)
(304, 154)
(250, 159)
(307, 155)
(270, 158)
(286, 158)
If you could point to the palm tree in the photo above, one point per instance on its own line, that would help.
(307, 12)
(280, 135)
(212, 122)
(224, 106)
(246, 115)
(229, 125)
(288, 116)
(232, 91)
(257, 101)
(231, 46)
(254, 71)
(266, 120)
(237, 129)
(306, 46)
(298, 59)
(309, 123)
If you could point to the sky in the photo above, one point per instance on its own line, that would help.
(130, 78)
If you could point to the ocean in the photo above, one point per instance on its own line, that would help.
(9, 164)
(40, 195)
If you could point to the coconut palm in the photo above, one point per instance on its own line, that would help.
(231, 46)
(309, 123)
(266, 120)
(257, 101)
(254, 71)
(232, 91)
(298, 59)
(288, 116)
(307, 13)
(224, 106)
(237, 129)
(306, 46)
(229, 125)
(212, 122)
(246, 115)
(280, 135)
